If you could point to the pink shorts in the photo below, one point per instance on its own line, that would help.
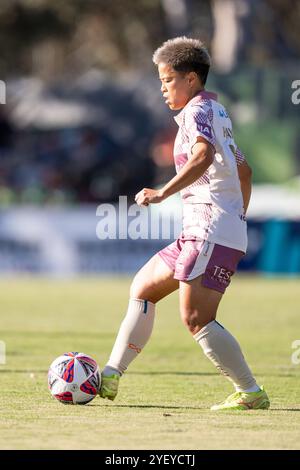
(189, 259)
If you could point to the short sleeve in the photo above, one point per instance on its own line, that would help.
(198, 124)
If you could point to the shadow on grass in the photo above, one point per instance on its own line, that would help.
(164, 407)
(44, 371)
(284, 409)
(183, 407)
(161, 372)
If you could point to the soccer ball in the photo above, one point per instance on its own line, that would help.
(74, 378)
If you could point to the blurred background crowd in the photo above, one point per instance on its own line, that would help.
(84, 120)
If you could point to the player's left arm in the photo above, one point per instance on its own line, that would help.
(245, 177)
(202, 156)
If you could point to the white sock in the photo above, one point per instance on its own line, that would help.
(110, 371)
(225, 353)
(133, 335)
(255, 388)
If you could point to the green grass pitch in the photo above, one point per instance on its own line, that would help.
(165, 396)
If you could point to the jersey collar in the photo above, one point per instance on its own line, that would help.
(202, 95)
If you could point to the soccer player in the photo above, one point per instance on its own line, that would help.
(214, 180)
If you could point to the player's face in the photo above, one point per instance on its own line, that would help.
(175, 86)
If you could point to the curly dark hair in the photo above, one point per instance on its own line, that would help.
(184, 55)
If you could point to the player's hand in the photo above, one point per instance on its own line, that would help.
(149, 196)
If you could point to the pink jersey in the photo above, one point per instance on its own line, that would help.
(213, 204)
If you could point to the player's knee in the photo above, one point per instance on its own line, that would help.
(138, 289)
(194, 320)
(135, 289)
(190, 318)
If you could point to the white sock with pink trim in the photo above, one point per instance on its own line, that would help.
(133, 335)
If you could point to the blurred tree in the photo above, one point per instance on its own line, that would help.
(49, 37)
(88, 33)
(270, 32)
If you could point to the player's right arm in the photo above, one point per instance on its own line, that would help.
(202, 156)
(245, 177)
